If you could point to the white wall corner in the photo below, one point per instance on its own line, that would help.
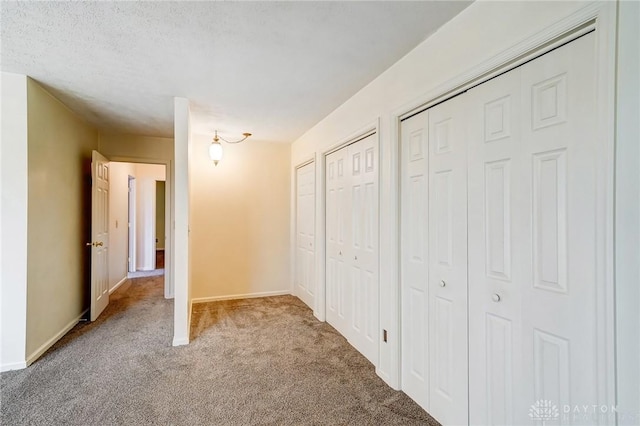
(13, 221)
(181, 221)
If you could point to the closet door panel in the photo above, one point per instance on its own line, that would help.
(533, 249)
(497, 229)
(363, 252)
(337, 246)
(305, 234)
(352, 244)
(559, 306)
(414, 257)
(448, 354)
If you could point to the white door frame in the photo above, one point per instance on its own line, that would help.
(131, 224)
(372, 128)
(600, 17)
(169, 279)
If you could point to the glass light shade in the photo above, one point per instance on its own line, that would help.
(215, 152)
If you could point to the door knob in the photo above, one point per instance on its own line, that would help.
(340, 252)
(355, 257)
(442, 283)
(495, 297)
(98, 244)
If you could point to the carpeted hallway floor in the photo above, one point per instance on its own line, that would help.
(256, 361)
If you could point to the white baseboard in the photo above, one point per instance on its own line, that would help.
(115, 287)
(387, 379)
(241, 296)
(13, 366)
(179, 341)
(46, 345)
(189, 318)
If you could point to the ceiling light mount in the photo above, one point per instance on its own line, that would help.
(215, 149)
(216, 138)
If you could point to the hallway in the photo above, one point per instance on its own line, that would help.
(253, 361)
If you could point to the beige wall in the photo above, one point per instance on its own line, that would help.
(118, 220)
(116, 145)
(239, 219)
(59, 162)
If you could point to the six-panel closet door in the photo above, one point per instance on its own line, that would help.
(533, 222)
(512, 165)
(352, 244)
(434, 260)
(305, 234)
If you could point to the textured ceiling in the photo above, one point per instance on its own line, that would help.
(271, 68)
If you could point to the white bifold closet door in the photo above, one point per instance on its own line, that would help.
(533, 245)
(352, 244)
(514, 206)
(448, 394)
(305, 234)
(434, 261)
(414, 209)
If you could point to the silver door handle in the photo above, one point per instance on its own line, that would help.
(442, 283)
(495, 297)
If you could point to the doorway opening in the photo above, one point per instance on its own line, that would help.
(137, 212)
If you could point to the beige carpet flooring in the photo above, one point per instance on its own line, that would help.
(251, 362)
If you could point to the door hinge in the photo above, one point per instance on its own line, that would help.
(384, 336)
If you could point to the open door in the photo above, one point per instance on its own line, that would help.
(99, 234)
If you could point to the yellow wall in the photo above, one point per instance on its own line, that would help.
(59, 210)
(239, 219)
(115, 145)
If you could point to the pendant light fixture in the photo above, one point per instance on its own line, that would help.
(215, 149)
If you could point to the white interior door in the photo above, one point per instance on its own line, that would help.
(448, 312)
(414, 257)
(305, 234)
(99, 234)
(337, 248)
(363, 246)
(533, 258)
